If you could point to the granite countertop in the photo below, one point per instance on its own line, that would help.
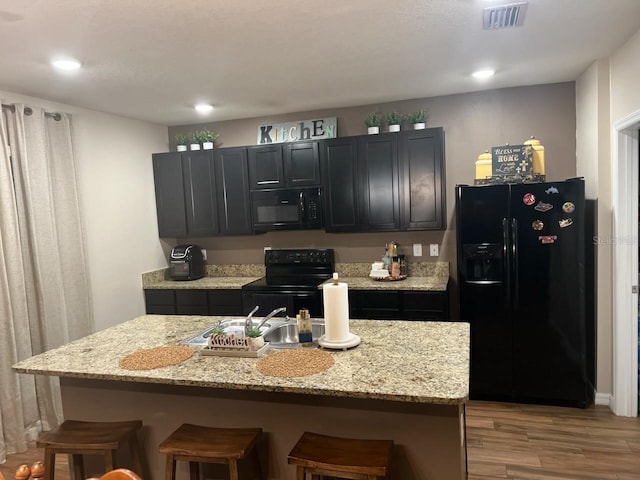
(208, 283)
(418, 362)
(433, 284)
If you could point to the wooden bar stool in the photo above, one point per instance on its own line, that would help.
(355, 459)
(79, 438)
(194, 444)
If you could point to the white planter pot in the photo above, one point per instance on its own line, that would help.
(255, 343)
(207, 145)
(182, 148)
(394, 128)
(194, 146)
(419, 126)
(373, 130)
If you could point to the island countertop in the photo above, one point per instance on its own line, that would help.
(405, 361)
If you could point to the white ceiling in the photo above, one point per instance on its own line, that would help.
(154, 59)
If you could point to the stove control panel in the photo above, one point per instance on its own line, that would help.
(303, 256)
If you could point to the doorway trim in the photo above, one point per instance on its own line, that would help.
(625, 267)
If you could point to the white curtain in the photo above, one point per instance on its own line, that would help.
(44, 292)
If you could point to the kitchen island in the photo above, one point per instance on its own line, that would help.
(406, 381)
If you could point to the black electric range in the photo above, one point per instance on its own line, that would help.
(292, 280)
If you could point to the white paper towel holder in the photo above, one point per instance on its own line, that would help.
(351, 341)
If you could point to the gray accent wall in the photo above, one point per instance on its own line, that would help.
(472, 123)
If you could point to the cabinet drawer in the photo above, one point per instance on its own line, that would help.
(225, 297)
(159, 297)
(191, 298)
(424, 301)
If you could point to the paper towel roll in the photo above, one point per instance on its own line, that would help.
(335, 298)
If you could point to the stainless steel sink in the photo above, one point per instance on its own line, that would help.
(285, 335)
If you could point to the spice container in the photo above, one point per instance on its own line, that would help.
(304, 326)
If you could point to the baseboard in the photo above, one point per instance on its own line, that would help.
(603, 399)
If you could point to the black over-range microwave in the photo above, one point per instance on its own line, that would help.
(287, 209)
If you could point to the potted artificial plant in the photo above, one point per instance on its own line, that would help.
(373, 122)
(393, 120)
(418, 118)
(194, 141)
(254, 338)
(181, 142)
(207, 138)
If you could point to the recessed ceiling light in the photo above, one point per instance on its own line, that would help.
(67, 64)
(483, 74)
(203, 108)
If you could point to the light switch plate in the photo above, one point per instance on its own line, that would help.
(433, 250)
(417, 249)
(204, 253)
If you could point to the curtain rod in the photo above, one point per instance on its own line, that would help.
(29, 111)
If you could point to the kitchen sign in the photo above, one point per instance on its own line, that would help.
(300, 130)
(512, 160)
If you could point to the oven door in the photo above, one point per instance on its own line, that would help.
(270, 300)
(286, 209)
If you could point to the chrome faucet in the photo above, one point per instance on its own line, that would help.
(247, 321)
(271, 315)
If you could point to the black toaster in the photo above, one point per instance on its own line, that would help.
(186, 262)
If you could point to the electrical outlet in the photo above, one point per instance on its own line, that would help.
(417, 249)
(433, 250)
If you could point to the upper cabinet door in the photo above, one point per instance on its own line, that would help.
(199, 181)
(265, 167)
(340, 180)
(232, 191)
(421, 160)
(170, 204)
(301, 164)
(378, 172)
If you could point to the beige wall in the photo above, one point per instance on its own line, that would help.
(593, 162)
(472, 123)
(117, 205)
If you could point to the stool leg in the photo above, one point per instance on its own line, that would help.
(300, 475)
(256, 462)
(233, 469)
(194, 471)
(78, 466)
(170, 468)
(49, 464)
(109, 460)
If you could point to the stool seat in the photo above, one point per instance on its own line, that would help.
(341, 457)
(79, 438)
(195, 443)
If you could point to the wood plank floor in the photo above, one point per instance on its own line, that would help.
(518, 442)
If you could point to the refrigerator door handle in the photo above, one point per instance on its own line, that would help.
(507, 268)
(514, 251)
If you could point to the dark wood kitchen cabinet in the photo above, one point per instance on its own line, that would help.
(193, 301)
(295, 164)
(185, 197)
(422, 180)
(399, 305)
(379, 184)
(340, 181)
(232, 191)
(202, 194)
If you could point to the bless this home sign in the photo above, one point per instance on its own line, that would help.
(300, 130)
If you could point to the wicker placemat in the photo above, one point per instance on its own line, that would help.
(295, 363)
(156, 357)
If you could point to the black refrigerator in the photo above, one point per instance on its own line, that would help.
(521, 283)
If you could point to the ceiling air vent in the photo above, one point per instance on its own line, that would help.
(504, 16)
